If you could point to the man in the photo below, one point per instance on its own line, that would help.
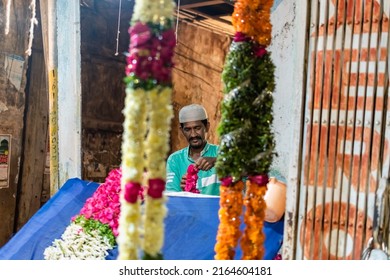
(202, 155)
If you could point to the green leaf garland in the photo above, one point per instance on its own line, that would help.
(245, 131)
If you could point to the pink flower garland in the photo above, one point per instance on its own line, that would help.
(150, 56)
(192, 178)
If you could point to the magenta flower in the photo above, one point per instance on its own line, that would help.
(227, 181)
(140, 34)
(156, 188)
(150, 56)
(260, 51)
(240, 37)
(260, 180)
(131, 192)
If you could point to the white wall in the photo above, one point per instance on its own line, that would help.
(287, 50)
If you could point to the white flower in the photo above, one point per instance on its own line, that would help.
(75, 244)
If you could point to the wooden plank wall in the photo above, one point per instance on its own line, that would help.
(34, 187)
(14, 32)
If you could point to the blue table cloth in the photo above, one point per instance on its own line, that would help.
(190, 226)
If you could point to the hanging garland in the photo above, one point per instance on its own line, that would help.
(245, 130)
(148, 113)
(231, 196)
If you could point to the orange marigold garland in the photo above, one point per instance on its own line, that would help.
(253, 18)
(229, 214)
(245, 131)
(253, 237)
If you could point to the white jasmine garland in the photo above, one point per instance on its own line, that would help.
(128, 239)
(132, 233)
(132, 171)
(148, 113)
(160, 114)
(75, 244)
(133, 135)
(155, 212)
(157, 143)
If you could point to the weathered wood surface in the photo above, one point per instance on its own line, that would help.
(103, 90)
(35, 144)
(13, 46)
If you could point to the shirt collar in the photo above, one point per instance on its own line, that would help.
(205, 149)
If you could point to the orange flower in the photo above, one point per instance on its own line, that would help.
(253, 18)
(229, 215)
(253, 237)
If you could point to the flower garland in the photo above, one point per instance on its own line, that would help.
(229, 214)
(253, 18)
(148, 113)
(246, 138)
(192, 179)
(92, 232)
(253, 238)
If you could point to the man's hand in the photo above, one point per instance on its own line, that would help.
(183, 182)
(205, 163)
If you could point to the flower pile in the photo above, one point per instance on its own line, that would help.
(148, 113)
(92, 233)
(245, 131)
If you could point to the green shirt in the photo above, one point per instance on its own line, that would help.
(178, 163)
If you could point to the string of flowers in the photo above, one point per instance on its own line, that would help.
(231, 195)
(245, 133)
(192, 179)
(253, 238)
(148, 113)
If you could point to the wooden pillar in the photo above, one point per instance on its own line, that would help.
(49, 26)
(69, 89)
(61, 24)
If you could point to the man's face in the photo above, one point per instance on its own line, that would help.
(195, 133)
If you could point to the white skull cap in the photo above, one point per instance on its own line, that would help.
(191, 113)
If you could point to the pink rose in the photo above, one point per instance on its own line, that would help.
(131, 192)
(156, 188)
(260, 51)
(260, 180)
(140, 34)
(227, 181)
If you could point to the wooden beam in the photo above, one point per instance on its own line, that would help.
(49, 27)
(197, 4)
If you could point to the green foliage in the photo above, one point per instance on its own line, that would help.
(132, 81)
(91, 225)
(245, 131)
